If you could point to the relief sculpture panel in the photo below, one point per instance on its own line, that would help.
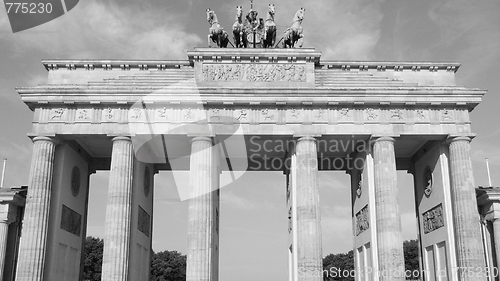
(253, 72)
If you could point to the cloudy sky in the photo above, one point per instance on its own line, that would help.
(253, 217)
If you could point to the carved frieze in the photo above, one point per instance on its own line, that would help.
(254, 72)
(110, 114)
(362, 220)
(433, 219)
(56, 114)
(371, 114)
(251, 114)
(83, 115)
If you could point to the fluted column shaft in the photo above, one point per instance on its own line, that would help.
(118, 212)
(470, 252)
(33, 242)
(309, 244)
(496, 239)
(200, 212)
(389, 231)
(4, 231)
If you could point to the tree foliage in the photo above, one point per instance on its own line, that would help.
(336, 265)
(340, 266)
(165, 266)
(92, 263)
(168, 266)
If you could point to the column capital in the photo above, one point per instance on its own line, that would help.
(382, 138)
(52, 139)
(306, 138)
(452, 139)
(121, 138)
(201, 138)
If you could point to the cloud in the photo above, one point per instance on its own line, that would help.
(106, 29)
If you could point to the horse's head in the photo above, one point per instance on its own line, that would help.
(299, 16)
(239, 12)
(210, 16)
(272, 10)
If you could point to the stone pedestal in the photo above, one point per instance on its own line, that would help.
(470, 253)
(33, 243)
(309, 244)
(202, 259)
(118, 212)
(389, 233)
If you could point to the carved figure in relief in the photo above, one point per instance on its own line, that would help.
(243, 114)
(320, 114)
(396, 114)
(420, 114)
(269, 28)
(58, 113)
(216, 34)
(136, 113)
(371, 114)
(109, 114)
(83, 115)
(215, 113)
(294, 34)
(266, 114)
(344, 113)
(162, 112)
(189, 115)
(239, 30)
(447, 115)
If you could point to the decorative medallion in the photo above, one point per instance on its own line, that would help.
(75, 181)
(147, 181)
(428, 181)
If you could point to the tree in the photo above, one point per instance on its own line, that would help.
(341, 266)
(410, 249)
(168, 266)
(165, 266)
(92, 264)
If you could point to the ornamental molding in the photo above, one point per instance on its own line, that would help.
(253, 114)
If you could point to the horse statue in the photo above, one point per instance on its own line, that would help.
(216, 34)
(294, 33)
(269, 28)
(239, 32)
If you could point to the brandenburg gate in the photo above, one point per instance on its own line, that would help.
(137, 117)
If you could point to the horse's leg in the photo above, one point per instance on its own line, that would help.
(301, 40)
(209, 39)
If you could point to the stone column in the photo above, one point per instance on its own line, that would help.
(496, 238)
(201, 221)
(389, 232)
(470, 252)
(118, 212)
(4, 233)
(34, 236)
(309, 244)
